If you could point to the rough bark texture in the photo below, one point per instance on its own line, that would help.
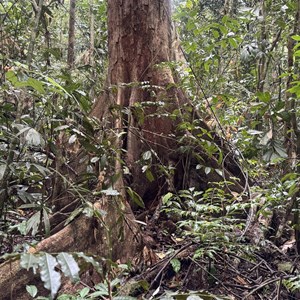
(139, 39)
(71, 43)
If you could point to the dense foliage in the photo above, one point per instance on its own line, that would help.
(241, 73)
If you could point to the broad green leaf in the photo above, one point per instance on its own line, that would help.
(98, 294)
(166, 198)
(32, 290)
(33, 223)
(296, 37)
(29, 260)
(135, 197)
(147, 155)
(207, 170)
(44, 171)
(10, 76)
(36, 84)
(33, 138)
(281, 151)
(55, 84)
(68, 265)
(149, 175)
(233, 43)
(219, 172)
(50, 277)
(84, 292)
(66, 297)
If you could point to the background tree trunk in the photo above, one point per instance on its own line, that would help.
(38, 9)
(71, 43)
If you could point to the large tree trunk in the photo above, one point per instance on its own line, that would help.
(139, 39)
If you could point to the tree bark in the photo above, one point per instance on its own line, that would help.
(71, 43)
(140, 48)
(34, 31)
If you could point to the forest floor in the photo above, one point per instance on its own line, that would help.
(174, 267)
(176, 270)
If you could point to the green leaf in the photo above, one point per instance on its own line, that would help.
(194, 297)
(32, 290)
(147, 155)
(281, 151)
(296, 37)
(207, 170)
(176, 265)
(233, 43)
(33, 138)
(68, 265)
(33, 223)
(58, 86)
(149, 175)
(62, 127)
(219, 172)
(266, 138)
(135, 197)
(101, 290)
(90, 260)
(29, 260)
(264, 96)
(50, 277)
(36, 84)
(110, 192)
(84, 292)
(11, 76)
(44, 171)
(166, 198)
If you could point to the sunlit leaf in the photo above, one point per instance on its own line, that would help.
(33, 138)
(69, 265)
(50, 277)
(29, 260)
(32, 290)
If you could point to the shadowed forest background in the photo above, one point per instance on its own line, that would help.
(149, 149)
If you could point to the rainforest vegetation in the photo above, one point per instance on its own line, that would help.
(149, 149)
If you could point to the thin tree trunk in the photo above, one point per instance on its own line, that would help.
(71, 42)
(92, 47)
(35, 30)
